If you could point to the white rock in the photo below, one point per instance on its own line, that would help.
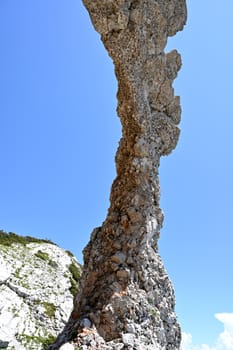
(35, 296)
(67, 347)
(4, 272)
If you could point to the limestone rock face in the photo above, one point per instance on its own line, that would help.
(126, 300)
(36, 291)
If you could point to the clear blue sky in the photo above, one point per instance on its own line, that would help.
(59, 134)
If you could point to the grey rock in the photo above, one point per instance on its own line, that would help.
(128, 339)
(131, 328)
(118, 257)
(86, 323)
(4, 344)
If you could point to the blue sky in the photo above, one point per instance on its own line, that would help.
(59, 134)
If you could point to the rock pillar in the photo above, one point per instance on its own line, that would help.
(126, 300)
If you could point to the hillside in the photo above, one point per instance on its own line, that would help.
(37, 283)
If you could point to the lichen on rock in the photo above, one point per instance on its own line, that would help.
(126, 300)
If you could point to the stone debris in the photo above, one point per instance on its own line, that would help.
(125, 292)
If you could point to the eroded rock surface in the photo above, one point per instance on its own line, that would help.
(37, 283)
(126, 299)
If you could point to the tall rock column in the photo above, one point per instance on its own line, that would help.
(126, 300)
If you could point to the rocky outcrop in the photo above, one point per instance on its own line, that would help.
(126, 300)
(37, 284)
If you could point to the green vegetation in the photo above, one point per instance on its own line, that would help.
(154, 312)
(53, 264)
(50, 309)
(69, 253)
(74, 287)
(15, 313)
(26, 340)
(45, 256)
(75, 272)
(10, 238)
(17, 273)
(47, 341)
(42, 255)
